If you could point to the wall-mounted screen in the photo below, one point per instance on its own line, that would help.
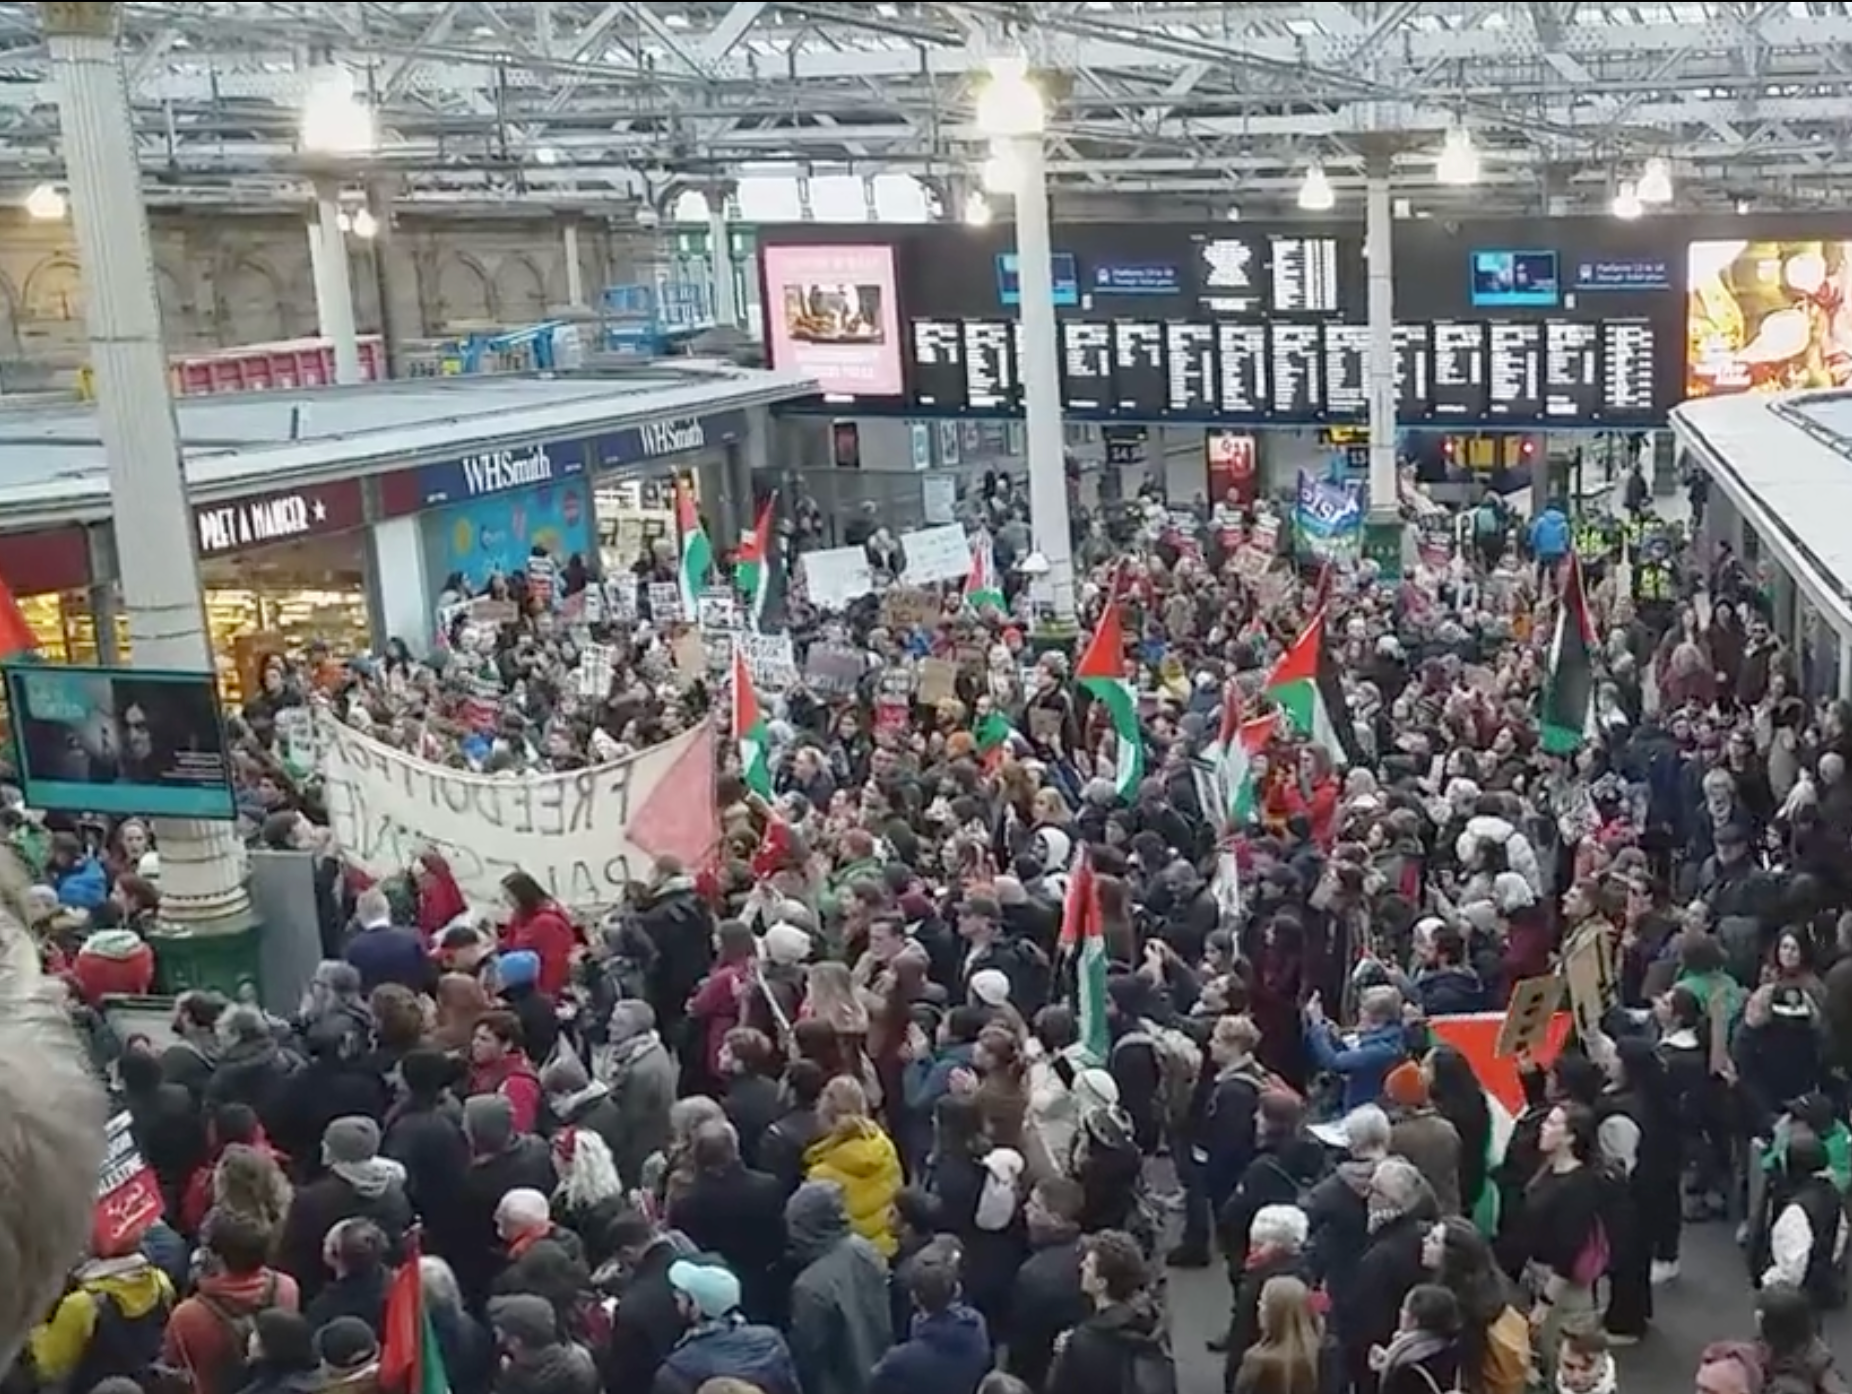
(1061, 264)
(1767, 316)
(834, 318)
(1506, 280)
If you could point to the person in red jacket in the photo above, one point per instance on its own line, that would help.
(238, 1283)
(1316, 794)
(225, 1125)
(440, 899)
(498, 1064)
(540, 926)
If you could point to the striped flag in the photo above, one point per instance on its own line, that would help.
(1236, 746)
(749, 730)
(410, 1359)
(982, 588)
(1101, 672)
(1305, 683)
(1567, 717)
(1083, 936)
(695, 552)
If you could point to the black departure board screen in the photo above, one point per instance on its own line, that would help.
(1086, 365)
(1514, 370)
(1571, 370)
(1138, 367)
(1627, 370)
(1294, 361)
(1459, 370)
(1230, 273)
(1304, 275)
(1190, 349)
(1242, 349)
(1414, 370)
(1347, 391)
(939, 364)
(990, 365)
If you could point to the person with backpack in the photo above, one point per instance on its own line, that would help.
(209, 1335)
(109, 1323)
(1494, 1335)
(1221, 1138)
(1120, 1348)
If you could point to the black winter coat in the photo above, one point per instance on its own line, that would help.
(740, 1215)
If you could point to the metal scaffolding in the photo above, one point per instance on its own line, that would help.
(614, 105)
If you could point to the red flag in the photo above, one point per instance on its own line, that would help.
(410, 1361)
(16, 636)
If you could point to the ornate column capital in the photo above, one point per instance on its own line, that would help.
(79, 19)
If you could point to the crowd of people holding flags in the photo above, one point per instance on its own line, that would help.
(1428, 950)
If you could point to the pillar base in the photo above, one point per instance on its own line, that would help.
(218, 954)
(1382, 544)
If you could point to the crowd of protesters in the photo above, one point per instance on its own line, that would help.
(832, 1113)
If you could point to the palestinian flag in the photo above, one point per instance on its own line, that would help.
(1240, 740)
(693, 549)
(749, 730)
(1083, 938)
(16, 636)
(982, 588)
(1568, 714)
(759, 574)
(992, 733)
(1101, 672)
(1305, 683)
(410, 1359)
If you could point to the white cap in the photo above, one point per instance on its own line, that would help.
(991, 986)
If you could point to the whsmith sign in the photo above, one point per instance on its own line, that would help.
(534, 464)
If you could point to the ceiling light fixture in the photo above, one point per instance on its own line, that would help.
(1627, 203)
(1315, 193)
(977, 210)
(1655, 186)
(46, 204)
(1458, 163)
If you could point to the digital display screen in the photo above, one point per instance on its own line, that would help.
(1190, 347)
(1508, 280)
(990, 365)
(1138, 367)
(1414, 369)
(939, 364)
(1242, 349)
(1571, 370)
(1459, 370)
(1061, 264)
(1294, 362)
(1766, 316)
(834, 318)
(1230, 269)
(1627, 347)
(1347, 396)
(1514, 371)
(1086, 365)
(1304, 273)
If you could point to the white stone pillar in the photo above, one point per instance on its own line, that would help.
(334, 283)
(575, 271)
(202, 864)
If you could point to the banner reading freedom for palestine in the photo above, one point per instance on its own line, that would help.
(582, 835)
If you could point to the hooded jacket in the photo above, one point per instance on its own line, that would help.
(1102, 1353)
(201, 1340)
(862, 1161)
(948, 1353)
(840, 1323)
(729, 1349)
(141, 1298)
(1520, 856)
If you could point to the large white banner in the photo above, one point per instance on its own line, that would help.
(581, 835)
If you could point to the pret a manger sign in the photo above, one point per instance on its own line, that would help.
(268, 519)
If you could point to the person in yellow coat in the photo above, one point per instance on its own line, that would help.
(110, 1322)
(858, 1156)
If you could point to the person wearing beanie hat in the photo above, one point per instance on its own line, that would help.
(786, 945)
(360, 1185)
(1422, 1135)
(349, 1352)
(535, 1355)
(719, 1344)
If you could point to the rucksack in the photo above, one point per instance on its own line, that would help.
(1153, 1371)
(120, 1346)
(1505, 1366)
(1179, 1061)
(235, 1373)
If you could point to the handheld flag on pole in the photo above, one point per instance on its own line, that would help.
(749, 571)
(1101, 672)
(410, 1359)
(694, 551)
(982, 588)
(1305, 683)
(1083, 937)
(749, 730)
(1239, 742)
(1567, 717)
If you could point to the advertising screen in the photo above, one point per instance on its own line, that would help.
(1061, 266)
(1767, 316)
(122, 742)
(1506, 279)
(832, 316)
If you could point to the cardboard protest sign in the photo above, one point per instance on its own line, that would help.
(1588, 966)
(665, 603)
(834, 670)
(909, 607)
(584, 835)
(1529, 1013)
(938, 681)
(128, 1195)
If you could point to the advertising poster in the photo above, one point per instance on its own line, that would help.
(123, 742)
(1232, 467)
(1767, 316)
(832, 315)
(496, 535)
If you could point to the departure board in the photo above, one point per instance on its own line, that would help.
(1627, 347)
(1414, 370)
(1459, 370)
(1190, 348)
(1086, 365)
(1138, 367)
(990, 365)
(1347, 395)
(939, 364)
(1294, 361)
(1514, 370)
(1304, 275)
(1230, 272)
(1242, 349)
(1571, 370)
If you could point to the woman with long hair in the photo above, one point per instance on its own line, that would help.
(247, 1181)
(1457, 1096)
(1566, 1240)
(1494, 1337)
(1289, 1356)
(590, 1192)
(853, 1151)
